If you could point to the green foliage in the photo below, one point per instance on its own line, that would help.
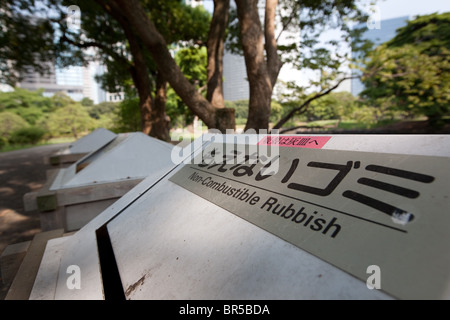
(27, 135)
(60, 99)
(24, 98)
(106, 114)
(241, 110)
(336, 105)
(30, 105)
(24, 42)
(102, 109)
(128, 116)
(3, 142)
(71, 119)
(86, 102)
(192, 62)
(9, 122)
(366, 116)
(180, 115)
(276, 111)
(303, 22)
(177, 21)
(428, 33)
(411, 73)
(58, 115)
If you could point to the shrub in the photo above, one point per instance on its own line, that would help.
(10, 122)
(28, 135)
(3, 142)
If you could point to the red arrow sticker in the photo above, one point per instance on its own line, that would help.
(313, 142)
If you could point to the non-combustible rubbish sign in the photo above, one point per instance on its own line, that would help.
(352, 209)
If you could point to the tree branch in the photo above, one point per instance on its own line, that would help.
(290, 18)
(134, 14)
(95, 44)
(303, 107)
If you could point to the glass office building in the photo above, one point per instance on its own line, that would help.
(386, 31)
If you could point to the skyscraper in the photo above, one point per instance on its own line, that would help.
(235, 84)
(386, 31)
(75, 81)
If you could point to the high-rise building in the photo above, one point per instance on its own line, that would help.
(384, 32)
(33, 80)
(235, 83)
(76, 82)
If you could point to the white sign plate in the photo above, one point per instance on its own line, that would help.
(352, 209)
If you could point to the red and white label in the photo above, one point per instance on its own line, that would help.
(313, 142)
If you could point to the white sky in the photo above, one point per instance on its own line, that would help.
(388, 9)
(394, 8)
(399, 8)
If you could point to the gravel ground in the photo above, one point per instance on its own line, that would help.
(21, 171)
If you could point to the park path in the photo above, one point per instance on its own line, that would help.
(21, 171)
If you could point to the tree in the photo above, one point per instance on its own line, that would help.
(193, 63)
(129, 63)
(87, 102)
(129, 119)
(411, 72)
(303, 101)
(264, 57)
(25, 40)
(9, 122)
(177, 23)
(96, 111)
(144, 27)
(215, 46)
(72, 119)
(30, 105)
(336, 105)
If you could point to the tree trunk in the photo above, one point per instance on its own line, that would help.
(273, 60)
(138, 70)
(160, 121)
(145, 108)
(215, 46)
(154, 121)
(141, 80)
(257, 73)
(135, 16)
(225, 119)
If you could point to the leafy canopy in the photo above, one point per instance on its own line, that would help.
(411, 72)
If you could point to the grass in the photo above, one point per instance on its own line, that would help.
(347, 124)
(13, 147)
(352, 125)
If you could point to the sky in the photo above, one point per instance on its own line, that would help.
(399, 8)
(394, 8)
(387, 9)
